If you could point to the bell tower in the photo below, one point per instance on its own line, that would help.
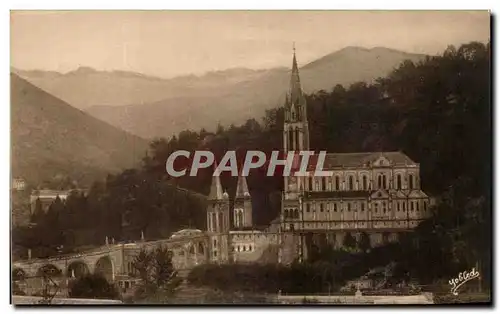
(242, 204)
(218, 223)
(296, 127)
(295, 139)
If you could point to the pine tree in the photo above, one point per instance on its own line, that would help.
(38, 213)
(364, 242)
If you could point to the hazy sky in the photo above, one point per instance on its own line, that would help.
(169, 43)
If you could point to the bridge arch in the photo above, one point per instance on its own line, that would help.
(105, 267)
(18, 274)
(77, 269)
(49, 270)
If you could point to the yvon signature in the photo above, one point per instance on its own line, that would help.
(462, 278)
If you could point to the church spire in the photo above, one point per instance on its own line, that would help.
(215, 188)
(242, 187)
(295, 88)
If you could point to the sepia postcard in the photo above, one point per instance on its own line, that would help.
(251, 157)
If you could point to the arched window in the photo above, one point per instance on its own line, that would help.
(310, 183)
(240, 214)
(365, 183)
(399, 182)
(335, 207)
(296, 213)
(337, 183)
(285, 215)
(410, 181)
(362, 207)
(299, 112)
(385, 237)
(297, 139)
(323, 183)
(379, 181)
(290, 139)
(351, 183)
(348, 207)
(384, 181)
(321, 207)
(221, 222)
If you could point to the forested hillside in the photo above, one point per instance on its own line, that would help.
(53, 140)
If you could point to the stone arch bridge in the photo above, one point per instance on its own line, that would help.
(115, 260)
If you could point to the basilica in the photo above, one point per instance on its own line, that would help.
(375, 195)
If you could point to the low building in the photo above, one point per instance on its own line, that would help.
(46, 197)
(18, 184)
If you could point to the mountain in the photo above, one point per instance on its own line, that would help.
(51, 139)
(86, 87)
(151, 107)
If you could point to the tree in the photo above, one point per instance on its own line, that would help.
(163, 269)
(142, 265)
(157, 273)
(38, 213)
(93, 286)
(349, 241)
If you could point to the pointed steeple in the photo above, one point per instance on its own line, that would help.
(242, 187)
(216, 187)
(295, 88)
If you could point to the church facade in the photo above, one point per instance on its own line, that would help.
(375, 194)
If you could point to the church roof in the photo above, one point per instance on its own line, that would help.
(338, 160)
(295, 94)
(215, 188)
(295, 87)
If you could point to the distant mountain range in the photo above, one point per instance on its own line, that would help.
(52, 139)
(154, 107)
